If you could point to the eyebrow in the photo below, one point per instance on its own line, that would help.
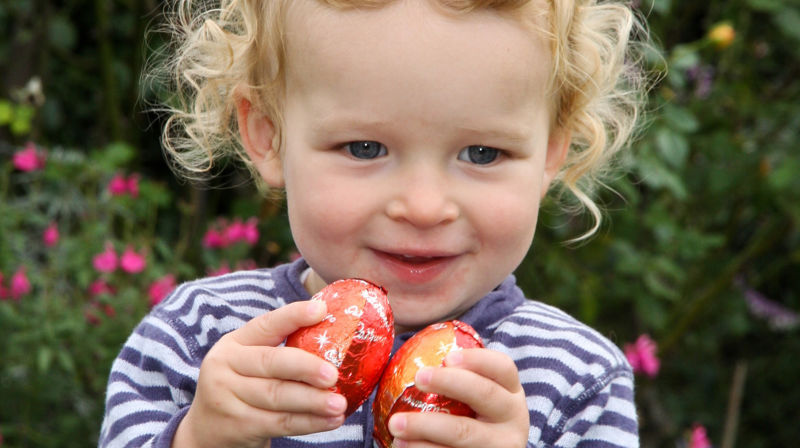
(508, 133)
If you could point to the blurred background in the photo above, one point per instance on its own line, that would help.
(694, 272)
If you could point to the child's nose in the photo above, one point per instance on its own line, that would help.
(423, 202)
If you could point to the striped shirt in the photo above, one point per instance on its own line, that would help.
(579, 385)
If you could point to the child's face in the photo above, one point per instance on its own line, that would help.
(417, 149)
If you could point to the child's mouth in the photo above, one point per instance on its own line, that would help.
(415, 268)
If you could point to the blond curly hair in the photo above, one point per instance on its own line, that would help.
(597, 80)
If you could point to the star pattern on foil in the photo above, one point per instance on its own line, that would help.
(322, 339)
(444, 349)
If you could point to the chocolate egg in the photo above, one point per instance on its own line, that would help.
(356, 336)
(396, 390)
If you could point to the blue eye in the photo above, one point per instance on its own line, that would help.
(365, 149)
(479, 154)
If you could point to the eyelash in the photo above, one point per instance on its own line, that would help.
(466, 154)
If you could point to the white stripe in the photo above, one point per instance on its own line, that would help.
(222, 325)
(163, 353)
(342, 433)
(620, 406)
(537, 375)
(577, 366)
(606, 351)
(132, 432)
(173, 334)
(611, 434)
(131, 407)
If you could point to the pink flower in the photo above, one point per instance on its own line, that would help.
(50, 235)
(99, 287)
(642, 356)
(118, 185)
(132, 262)
(160, 288)
(133, 185)
(20, 285)
(250, 231)
(121, 185)
(29, 159)
(698, 437)
(235, 232)
(106, 261)
(214, 239)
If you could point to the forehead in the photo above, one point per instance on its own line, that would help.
(385, 39)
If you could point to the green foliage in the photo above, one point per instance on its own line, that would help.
(699, 250)
(61, 334)
(705, 219)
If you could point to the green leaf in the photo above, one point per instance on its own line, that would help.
(61, 33)
(680, 118)
(785, 175)
(654, 174)
(115, 156)
(44, 358)
(20, 126)
(65, 360)
(6, 112)
(765, 5)
(673, 147)
(788, 21)
(683, 57)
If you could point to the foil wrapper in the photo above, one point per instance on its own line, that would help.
(356, 336)
(396, 390)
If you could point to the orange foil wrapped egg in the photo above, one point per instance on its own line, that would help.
(356, 336)
(396, 390)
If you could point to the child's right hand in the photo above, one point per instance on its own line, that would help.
(250, 390)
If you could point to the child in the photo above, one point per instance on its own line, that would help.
(414, 140)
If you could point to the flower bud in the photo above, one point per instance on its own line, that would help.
(722, 35)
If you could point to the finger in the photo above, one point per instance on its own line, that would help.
(488, 399)
(491, 364)
(437, 428)
(287, 363)
(273, 327)
(291, 424)
(289, 396)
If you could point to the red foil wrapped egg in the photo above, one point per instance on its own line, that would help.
(356, 336)
(396, 390)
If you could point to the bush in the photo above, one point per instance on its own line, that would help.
(84, 254)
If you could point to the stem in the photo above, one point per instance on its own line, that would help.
(734, 405)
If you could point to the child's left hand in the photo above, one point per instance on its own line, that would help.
(485, 380)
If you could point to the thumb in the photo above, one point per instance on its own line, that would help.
(273, 327)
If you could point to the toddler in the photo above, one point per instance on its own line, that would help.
(414, 141)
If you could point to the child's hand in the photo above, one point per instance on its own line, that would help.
(250, 390)
(488, 382)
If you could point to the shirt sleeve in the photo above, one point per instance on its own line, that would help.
(603, 416)
(150, 387)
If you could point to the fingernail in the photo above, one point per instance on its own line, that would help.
(399, 443)
(454, 359)
(423, 377)
(397, 424)
(337, 403)
(328, 372)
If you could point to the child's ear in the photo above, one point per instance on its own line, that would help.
(557, 147)
(258, 138)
